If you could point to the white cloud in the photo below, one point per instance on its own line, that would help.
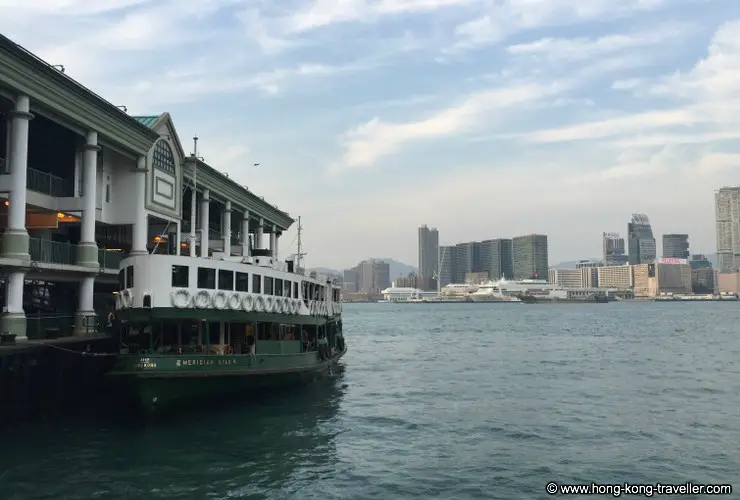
(367, 143)
(510, 16)
(578, 49)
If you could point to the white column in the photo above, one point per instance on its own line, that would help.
(87, 249)
(245, 235)
(259, 234)
(179, 239)
(204, 241)
(226, 229)
(8, 140)
(141, 221)
(193, 239)
(16, 235)
(273, 242)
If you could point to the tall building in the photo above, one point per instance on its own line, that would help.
(642, 248)
(447, 266)
(614, 254)
(676, 246)
(428, 256)
(496, 258)
(349, 281)
(700, 261)
(530, 256)
(372, 276)
(727, 216)
(467, 260)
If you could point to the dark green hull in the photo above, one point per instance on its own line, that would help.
(158, 390)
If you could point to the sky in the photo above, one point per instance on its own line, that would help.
(483, 118)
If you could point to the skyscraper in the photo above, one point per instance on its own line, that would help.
(530, 256)
(642, 248)
(727, 215)
(614, 250)
(496, 258)
(676, 246)
(428, 256)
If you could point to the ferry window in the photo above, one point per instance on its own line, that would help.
(130, 276)
(278, 287)
(206, 278)
(286, 288)
(268, 285)
(180, 276)
(225, 279)
(121, 279)
(242, 282)
(295, 289)
(256, 283)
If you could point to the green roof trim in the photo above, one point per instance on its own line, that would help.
(147, 121)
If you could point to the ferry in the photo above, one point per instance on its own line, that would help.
(195, 328)
(532, 291)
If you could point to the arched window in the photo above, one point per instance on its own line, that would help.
(162, 158)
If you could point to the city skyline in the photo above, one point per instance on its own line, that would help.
(488, 118)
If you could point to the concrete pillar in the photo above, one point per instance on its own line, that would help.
(273, 242)
(87, 249)
(193, 237)
(179, 238)
(85, 320)
(259, 234)
(204, 238)
(15, 239)
(226, 229)
(8, 141)
(141, 221)
(245, 235)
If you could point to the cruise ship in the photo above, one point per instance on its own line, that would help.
(539, 290)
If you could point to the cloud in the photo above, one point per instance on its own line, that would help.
(511, 16)
(365, 144)
(578, 49)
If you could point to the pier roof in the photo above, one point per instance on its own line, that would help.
(50, 89)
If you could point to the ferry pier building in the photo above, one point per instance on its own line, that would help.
(83, 184)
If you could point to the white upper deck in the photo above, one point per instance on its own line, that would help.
(251, 284)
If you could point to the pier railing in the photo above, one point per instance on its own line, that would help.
(55, 252)
(44, 182)
(53, 326)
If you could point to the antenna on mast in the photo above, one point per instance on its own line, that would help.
(300, 253)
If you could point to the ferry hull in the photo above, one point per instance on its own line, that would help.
(162, 392)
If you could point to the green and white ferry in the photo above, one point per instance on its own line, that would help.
(194, 328)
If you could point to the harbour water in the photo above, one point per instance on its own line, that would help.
(453, 401)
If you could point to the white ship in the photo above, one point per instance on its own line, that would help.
(503, 289)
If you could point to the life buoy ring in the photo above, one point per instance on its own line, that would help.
(286, 305)
(324, 308)
(248, 303)
(259, 303)
(228, 349)
(219, 300)
(296, 306)
(202, 299)
(276, 305)
(235, 302)
(312, 308)
(269, 302)
(180, 298)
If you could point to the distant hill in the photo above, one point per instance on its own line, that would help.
(571, 264)
(396, 269)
